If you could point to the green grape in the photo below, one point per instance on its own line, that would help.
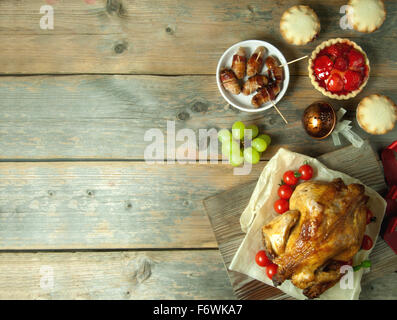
(224, 135)
(251, 155)
(259, 144)
(236, 159)
(226, 147)
(236, 150)
(254, 129)
(266, 138)
(229, 148)
(238, 130)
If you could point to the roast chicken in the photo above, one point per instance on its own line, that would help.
(322, 231)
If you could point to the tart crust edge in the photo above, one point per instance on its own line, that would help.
(290, 39)
(373, 27)
(360, 120)
(313, 77)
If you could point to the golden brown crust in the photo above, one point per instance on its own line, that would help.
(275, 244)
(299, 37)
(313, 77)
(368, 28)
(361, 120)
(330, 229)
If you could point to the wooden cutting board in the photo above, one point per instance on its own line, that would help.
(224, 212)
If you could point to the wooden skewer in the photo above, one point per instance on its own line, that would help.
(258, 55)
(279, 112)
(301, 58)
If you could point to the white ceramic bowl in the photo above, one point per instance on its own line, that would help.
(241, 101)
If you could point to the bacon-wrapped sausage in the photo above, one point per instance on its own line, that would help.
(239, 63)
(254, 83)
(255, 62)
(229, 81)
(275, 73)
(265, 94)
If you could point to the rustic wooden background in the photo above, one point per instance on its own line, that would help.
(75, 192)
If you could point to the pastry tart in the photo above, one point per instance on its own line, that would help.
(299, 25)
(366, 15)
(339, 69)
(376, 114)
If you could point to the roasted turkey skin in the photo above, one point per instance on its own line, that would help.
(323, 229)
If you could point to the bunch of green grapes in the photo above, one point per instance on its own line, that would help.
(232, 146)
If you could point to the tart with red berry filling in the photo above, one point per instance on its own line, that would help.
(339, 69)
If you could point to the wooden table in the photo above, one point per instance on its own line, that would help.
(82, 215)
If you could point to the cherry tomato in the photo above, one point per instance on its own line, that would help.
(271, 270)
(290, 178)
(261, 259)
(306, 172)
(367, 243)
(281, 205)
(285, 191)
(370, 216)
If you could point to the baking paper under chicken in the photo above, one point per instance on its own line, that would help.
(260, 211)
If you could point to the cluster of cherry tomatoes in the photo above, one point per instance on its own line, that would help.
(290, 179)
(263, 261)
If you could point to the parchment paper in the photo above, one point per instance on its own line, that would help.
(260, 211)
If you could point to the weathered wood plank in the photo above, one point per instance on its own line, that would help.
(224, 211)
(384, 288)
(114, 275)
(97, 205)
(384, 262)
(369, 171)
(131, 275)
(167, 37)
(106, 117)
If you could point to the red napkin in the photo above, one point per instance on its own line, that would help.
(390, 221)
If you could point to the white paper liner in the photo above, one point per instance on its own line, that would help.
(260, 211)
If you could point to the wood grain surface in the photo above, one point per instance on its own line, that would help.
(106, 117)
(76, 102)
(224, 211)
(114, 275)
(166, 37)
(109, 205)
